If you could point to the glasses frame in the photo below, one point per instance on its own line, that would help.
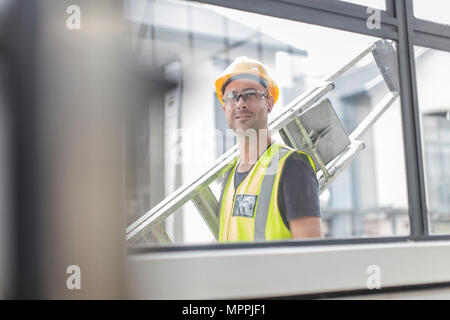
(233, 101)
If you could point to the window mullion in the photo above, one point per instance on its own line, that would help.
(410, 119)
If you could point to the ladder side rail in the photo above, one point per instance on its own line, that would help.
(169, 206)
(351, 63)
(373, 116)
(220, 163)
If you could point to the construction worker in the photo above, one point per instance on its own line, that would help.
(257, 203)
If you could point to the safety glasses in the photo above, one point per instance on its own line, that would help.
(250, 96)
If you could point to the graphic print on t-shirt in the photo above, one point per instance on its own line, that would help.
(244, 206)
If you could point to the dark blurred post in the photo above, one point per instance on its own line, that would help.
(5, 165)
(69, 91)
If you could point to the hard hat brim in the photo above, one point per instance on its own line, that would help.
(271, 85)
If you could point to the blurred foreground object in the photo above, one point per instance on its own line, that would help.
(70, 86)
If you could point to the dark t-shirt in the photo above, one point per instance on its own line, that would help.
(298, 193)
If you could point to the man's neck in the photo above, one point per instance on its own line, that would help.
(251, 147)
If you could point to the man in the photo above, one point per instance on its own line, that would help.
(271, 192)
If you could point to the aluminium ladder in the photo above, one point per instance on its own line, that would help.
(307, 123)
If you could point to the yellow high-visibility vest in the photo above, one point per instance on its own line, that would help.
(251, 213)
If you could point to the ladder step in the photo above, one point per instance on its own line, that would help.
(292, 136)
(318, 132)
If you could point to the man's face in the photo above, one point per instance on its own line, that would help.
(248, 114)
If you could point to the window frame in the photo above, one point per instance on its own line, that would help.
(398, 23)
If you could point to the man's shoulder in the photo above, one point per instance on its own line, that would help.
(297, 159)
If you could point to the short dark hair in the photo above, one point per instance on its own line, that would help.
(262, 81)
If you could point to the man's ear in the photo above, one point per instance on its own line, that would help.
(269, 104)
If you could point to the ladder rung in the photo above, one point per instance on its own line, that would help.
(208, 206)
(160, 234)
(154, 234)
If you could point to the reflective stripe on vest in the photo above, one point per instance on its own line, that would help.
(265, 193)
(256, 216)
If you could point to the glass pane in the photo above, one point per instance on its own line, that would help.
(377, 4)
(368, 198)
(433, 80)
(432, 10)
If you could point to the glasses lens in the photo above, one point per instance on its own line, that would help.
(231, 96)
(250, 95)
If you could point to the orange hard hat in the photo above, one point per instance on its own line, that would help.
(244, 66)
